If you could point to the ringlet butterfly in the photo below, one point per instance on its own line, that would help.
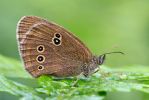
(48, 49)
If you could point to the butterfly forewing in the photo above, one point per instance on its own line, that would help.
(47, 48)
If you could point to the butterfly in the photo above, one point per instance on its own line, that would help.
(48, 49)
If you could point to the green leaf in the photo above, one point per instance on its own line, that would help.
(12, 68)
(17, 89)
(107, 80)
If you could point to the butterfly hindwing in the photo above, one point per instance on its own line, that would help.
(47, 48)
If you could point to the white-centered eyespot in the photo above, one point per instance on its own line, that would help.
(40, 58)
(57, 35)
(40, 48)
(56, 41)
(40, 67)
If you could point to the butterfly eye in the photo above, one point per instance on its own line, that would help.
(40, 67)
(56, 41)
(40, 58)
(57, 35)
(40, 48)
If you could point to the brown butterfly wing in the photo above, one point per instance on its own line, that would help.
(65, 59)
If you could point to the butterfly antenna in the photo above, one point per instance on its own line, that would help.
(102, 57)
(114, 52)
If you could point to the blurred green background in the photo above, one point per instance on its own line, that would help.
(103, 25)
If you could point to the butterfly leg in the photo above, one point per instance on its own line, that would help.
(74, 84)
(85, 70)
(96, 71)
(76, 80)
